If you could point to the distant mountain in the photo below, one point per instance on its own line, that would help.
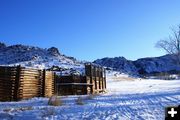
(51, 58)
(164, 63)
(118, 63)
(30, 56)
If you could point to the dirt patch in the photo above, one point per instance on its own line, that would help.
(122, 78)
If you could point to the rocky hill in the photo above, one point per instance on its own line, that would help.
(30, 56)
(149, 65)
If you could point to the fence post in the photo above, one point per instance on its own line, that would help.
(43, 83)
(16, 95)
(55, 87)
(101, 75)
(91, 79)
(105, 78)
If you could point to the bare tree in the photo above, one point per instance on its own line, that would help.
(171, 44)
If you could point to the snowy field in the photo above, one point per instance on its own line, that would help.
(126, 99)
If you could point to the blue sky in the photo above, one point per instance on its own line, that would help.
(90, 29)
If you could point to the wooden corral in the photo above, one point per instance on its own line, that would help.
(72, 85)
(96, 75)
(93, 82)
(18, 83)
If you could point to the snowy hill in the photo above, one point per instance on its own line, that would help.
(141, 66)
(118, 63)
(36, 57)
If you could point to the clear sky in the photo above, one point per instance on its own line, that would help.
(90, 29)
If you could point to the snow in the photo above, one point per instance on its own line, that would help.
(126, 99)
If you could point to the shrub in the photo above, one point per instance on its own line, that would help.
(55, 101)
(7, 110)
(18, 109)
(26, 108)
(79, 101)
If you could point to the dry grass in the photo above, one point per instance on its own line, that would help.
(104, 91)
(18, 109)
(121, 78)
(26, 108)
(55, 101)
(79, 101)
(7, 110)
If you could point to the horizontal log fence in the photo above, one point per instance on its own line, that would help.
(18, 83)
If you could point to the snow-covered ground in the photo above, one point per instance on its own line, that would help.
(126, 99)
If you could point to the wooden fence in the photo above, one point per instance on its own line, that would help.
(96, 75)
(93, 82)
(18, 83)
(72, 85)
